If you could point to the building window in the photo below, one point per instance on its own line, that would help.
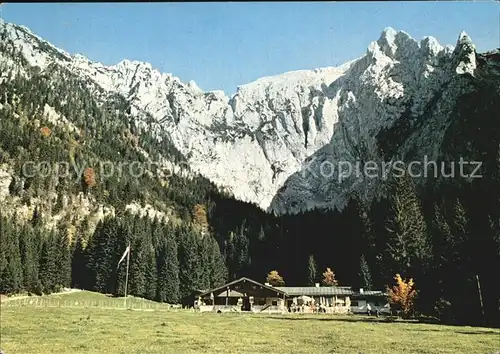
(354, 303)
(376, 303)
(275, 303)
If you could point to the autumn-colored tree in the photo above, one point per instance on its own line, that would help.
(89, 177)
(329, 278)
(275, 279)
(46, 131)
(403, 295)
(200, 216)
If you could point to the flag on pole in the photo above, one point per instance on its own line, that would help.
(127, 251)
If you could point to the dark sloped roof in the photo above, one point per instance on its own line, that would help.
(243, 279)
(300, 290)
(316, 291)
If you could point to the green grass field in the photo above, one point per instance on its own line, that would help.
(92, 323)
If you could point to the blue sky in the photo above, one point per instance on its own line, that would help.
(223, 45)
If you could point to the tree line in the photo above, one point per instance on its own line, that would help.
(167, 263)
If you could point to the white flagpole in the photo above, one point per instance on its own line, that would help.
(126, 276)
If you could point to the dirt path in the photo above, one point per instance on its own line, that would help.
(20, 297)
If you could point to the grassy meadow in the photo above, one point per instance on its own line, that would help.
(85, 322)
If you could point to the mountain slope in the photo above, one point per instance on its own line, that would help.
(262, 144)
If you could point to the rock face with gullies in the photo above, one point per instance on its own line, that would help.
(266, 143)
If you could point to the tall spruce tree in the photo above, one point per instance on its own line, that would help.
(189, 267)
(204, 261)
(149, 267)
(79, 271)
(168, 289)
(48, 267)
(151, 274)
(238, 252)
(120, 241)
(102, 255)
(63, 259)
(11, 273)
(218, 269)
(408, 247)
(365, 275)
(138, 265)
(312, 270)
(29, 259)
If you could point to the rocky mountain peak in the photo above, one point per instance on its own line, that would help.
(391, 41)
(465, 54)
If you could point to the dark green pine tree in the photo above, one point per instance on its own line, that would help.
(188, 262)
(63, 259)
(218, 269)
(494, 224)
(168, 288)
(460, 233)
(408, 248)
(452, 235)
(149, 267)
(36, 219)
(121, 240)
(4, 239)
(454, 270)
(29, 259)
(261, 235)
(48, 271)
(237, 251)
(243, 259)
(312, 270)
(204, 260)
(79, 270)
(368, 239)
(230, 255)
(137, 272)
(102, 255)
(11, 273)
(443, 234)
(494, 215)
(151, 274)
(365, 276)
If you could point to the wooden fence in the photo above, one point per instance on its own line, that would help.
(101, 304)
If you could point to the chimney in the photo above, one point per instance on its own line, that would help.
(317, 285)
(361, 290)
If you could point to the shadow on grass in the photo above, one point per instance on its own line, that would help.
(387, 320)
(351, 319)
(480, 332)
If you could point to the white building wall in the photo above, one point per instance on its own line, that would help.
(362, 307)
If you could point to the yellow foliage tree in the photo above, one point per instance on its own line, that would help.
(329, 278)
(403, 295)
(275, 279)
